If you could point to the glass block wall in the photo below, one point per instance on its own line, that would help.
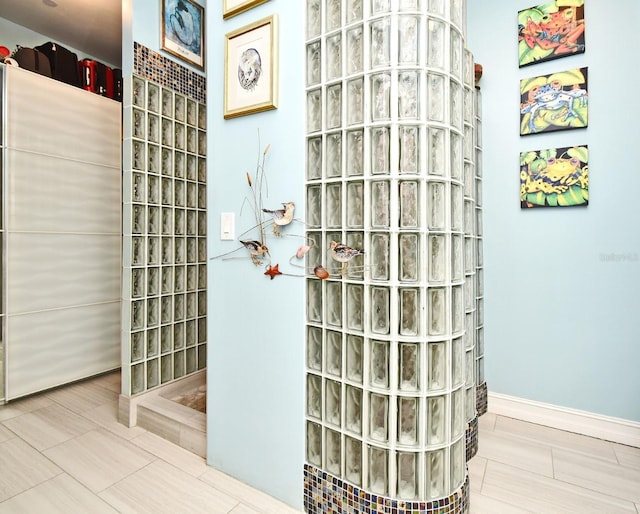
(481, 384)
(470, 253)
(391, 152)
(164, 230)
(2, 244)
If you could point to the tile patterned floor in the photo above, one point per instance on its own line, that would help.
(64, 452)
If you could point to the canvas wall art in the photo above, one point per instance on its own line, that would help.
(555, 177)
(554, 102)
(550, 31)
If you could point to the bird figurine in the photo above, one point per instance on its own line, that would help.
(281, 217)
(343, 253)
(256, 250)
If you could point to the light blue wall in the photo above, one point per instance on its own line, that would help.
(562, 286)
(255, 368)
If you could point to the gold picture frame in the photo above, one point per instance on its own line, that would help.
(251, 68)
(232, 7)
(183, 30)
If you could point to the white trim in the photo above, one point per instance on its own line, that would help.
(571, 420)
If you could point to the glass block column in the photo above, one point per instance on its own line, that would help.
(3, 265)
(390, 335)
(164, 243)
(470, 255)
(481, 384)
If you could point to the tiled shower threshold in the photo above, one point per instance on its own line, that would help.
(173, 412)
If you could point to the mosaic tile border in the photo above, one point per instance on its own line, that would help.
(471, 436)
(168, 73)
(327, 494)
(482, 398)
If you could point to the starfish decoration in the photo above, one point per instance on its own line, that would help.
(272, 271)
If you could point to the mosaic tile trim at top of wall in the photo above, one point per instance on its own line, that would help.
(168, 73)
(327, 494)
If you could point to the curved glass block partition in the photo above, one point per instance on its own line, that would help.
(391, 336)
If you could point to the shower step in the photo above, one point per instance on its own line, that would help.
(174, 422)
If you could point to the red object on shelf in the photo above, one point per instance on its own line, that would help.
(88, 75)
(4, 51)
(96, 77)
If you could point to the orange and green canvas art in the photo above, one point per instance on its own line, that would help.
(550, 31)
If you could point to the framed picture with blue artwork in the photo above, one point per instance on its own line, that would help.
(183, 30)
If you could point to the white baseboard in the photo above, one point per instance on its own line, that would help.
(571, 420)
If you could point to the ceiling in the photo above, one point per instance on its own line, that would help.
(93, 27)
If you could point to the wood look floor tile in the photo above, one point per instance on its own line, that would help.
(159, 424)
(171, 453)
(82, 396)
(49, 426)
(98, 458)
(520, 453)
(556, 438)
(5, 433)
(627, 455)
(487, 421)
(19, 407)
(255, 499)
(476, 467)
(107, 417)
(111, 381)
(193, 440)
(480, 504)
(22, 467)
(59, 495)
(539, 494)
(597, 475)
(244, 509)
(162, 488)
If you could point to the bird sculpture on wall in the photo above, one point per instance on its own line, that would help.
(281, 217)
(256, 250)
(343, 254)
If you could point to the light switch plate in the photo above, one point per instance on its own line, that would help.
(227, 226)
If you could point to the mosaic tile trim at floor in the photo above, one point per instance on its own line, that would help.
(482, 398)
(327, 494)
(471, 438)
(168, 73)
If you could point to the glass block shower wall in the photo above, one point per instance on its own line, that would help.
(481, 384)
(164, 233)
(470, 251)
(391, 337)
(2, 245)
